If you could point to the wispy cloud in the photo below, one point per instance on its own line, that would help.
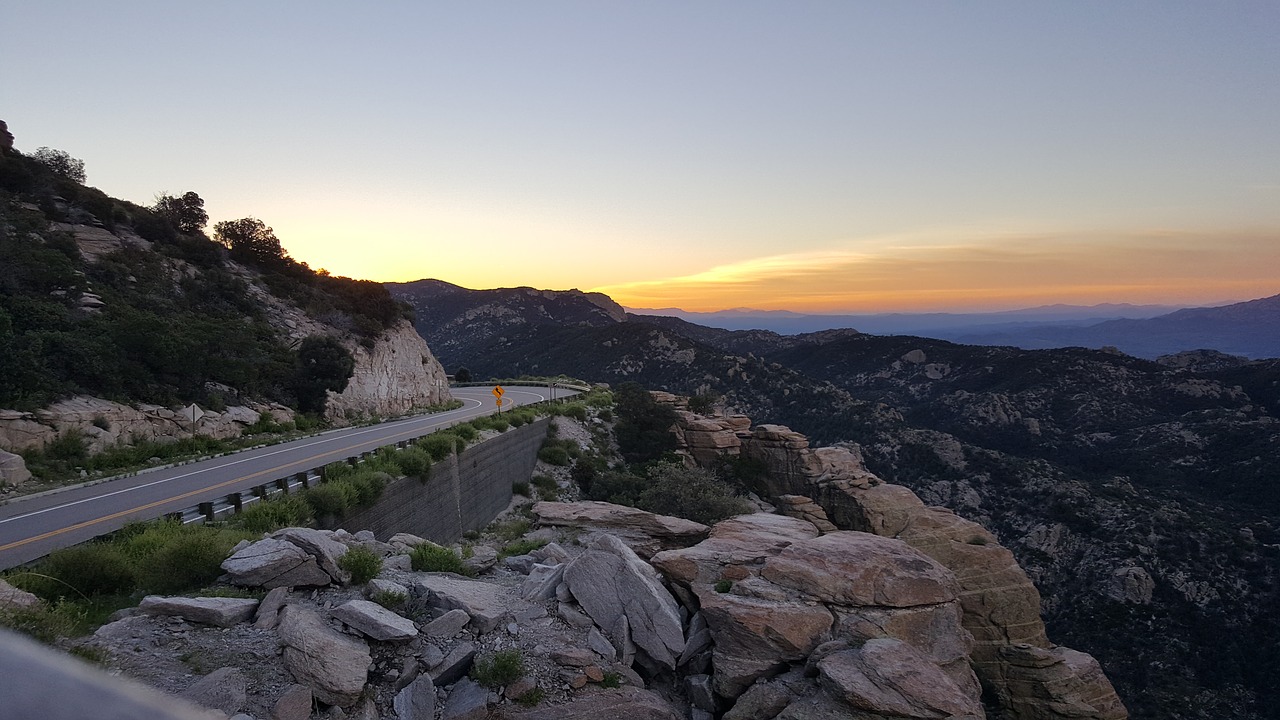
(994, 271)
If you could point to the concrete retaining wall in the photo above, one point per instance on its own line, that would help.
(462, 493)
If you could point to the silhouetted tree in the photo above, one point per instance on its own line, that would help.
(185, 213)
(323, 364)
(249, 239)
(644, 427)
(462, 375)
(61, 163)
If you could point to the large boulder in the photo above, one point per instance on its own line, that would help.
(335, 666)
(375, 621)
(222, 612)
(13, 469)
(852, 568)
(273, 563)
(224, 689)
(645, 533)
(487, 604)
(319, 545)
(11, 598)
(890, 678)
(611, 582)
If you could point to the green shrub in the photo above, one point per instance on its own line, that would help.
(498, 669)
(552, 429)
(187, 562)
(363, 564)
(499, 424)
(611, 680)
(547, 488)
(80, 571)
(577, 411)
(554, 455)
(466, 431)
(723, 586)
(433, 558)
(415, 462)
(275, 513)
(520, 547)
(439, 445)
(330, 498)
(691, 493)
(511, 529)
(45, 623)
(390, 599)
(520, 488)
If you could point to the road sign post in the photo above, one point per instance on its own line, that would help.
(497, 396)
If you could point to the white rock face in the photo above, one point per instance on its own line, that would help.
(13, 469)
(396, 376)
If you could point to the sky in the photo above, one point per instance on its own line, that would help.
(810, 156)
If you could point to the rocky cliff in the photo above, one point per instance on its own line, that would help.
(395, 376)
(999, 607)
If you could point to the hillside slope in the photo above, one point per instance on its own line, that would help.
(107, 306)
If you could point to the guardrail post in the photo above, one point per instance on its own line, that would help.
(260, 491)
(282, 484)
(206, 509)
(353, 461)
(235, 501)
(305, 479)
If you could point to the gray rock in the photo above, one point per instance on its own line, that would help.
(378, 585)
(482, 559)
(601, 645)
(697, 643)
(397, 562)
(467, 701)
(698, 688)
(223, 689)
(562, 593)
(333, 665)
(268, 613)
(223, 612)
(700, 714)
(455, 665)
(551, 554)
(376, 621)
(519, 563)
(323, 548)
(573, 616)
(293, 704)
(274, 563)
(431, 656)
(542, 582)
(404, 542)
(13, 469)
(365, 535)
(487, 604)
(610, 581)
(762, 700)
(417, 701)
(11, 598)
(574, 657)
(447, 625)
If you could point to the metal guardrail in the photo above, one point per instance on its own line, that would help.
(235, 503)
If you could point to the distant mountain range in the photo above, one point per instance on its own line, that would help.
(1248, 328)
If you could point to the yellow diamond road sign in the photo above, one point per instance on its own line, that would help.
(498, 391)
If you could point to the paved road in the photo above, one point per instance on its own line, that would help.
(33, 527)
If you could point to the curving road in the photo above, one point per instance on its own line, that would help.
(34, 526)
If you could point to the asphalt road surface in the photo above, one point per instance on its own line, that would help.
(33, 527)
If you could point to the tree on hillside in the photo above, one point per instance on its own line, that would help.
(462, 375)
(249, 239)
(323, 365)
(61, 163)
(185, 213)
(644, 427)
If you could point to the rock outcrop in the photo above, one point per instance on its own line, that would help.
(644, 532)
(333, 665)
(104, 424)
(395, 376)
(13, 469)
(1001, 606)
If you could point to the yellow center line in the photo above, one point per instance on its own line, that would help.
(198, 491)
